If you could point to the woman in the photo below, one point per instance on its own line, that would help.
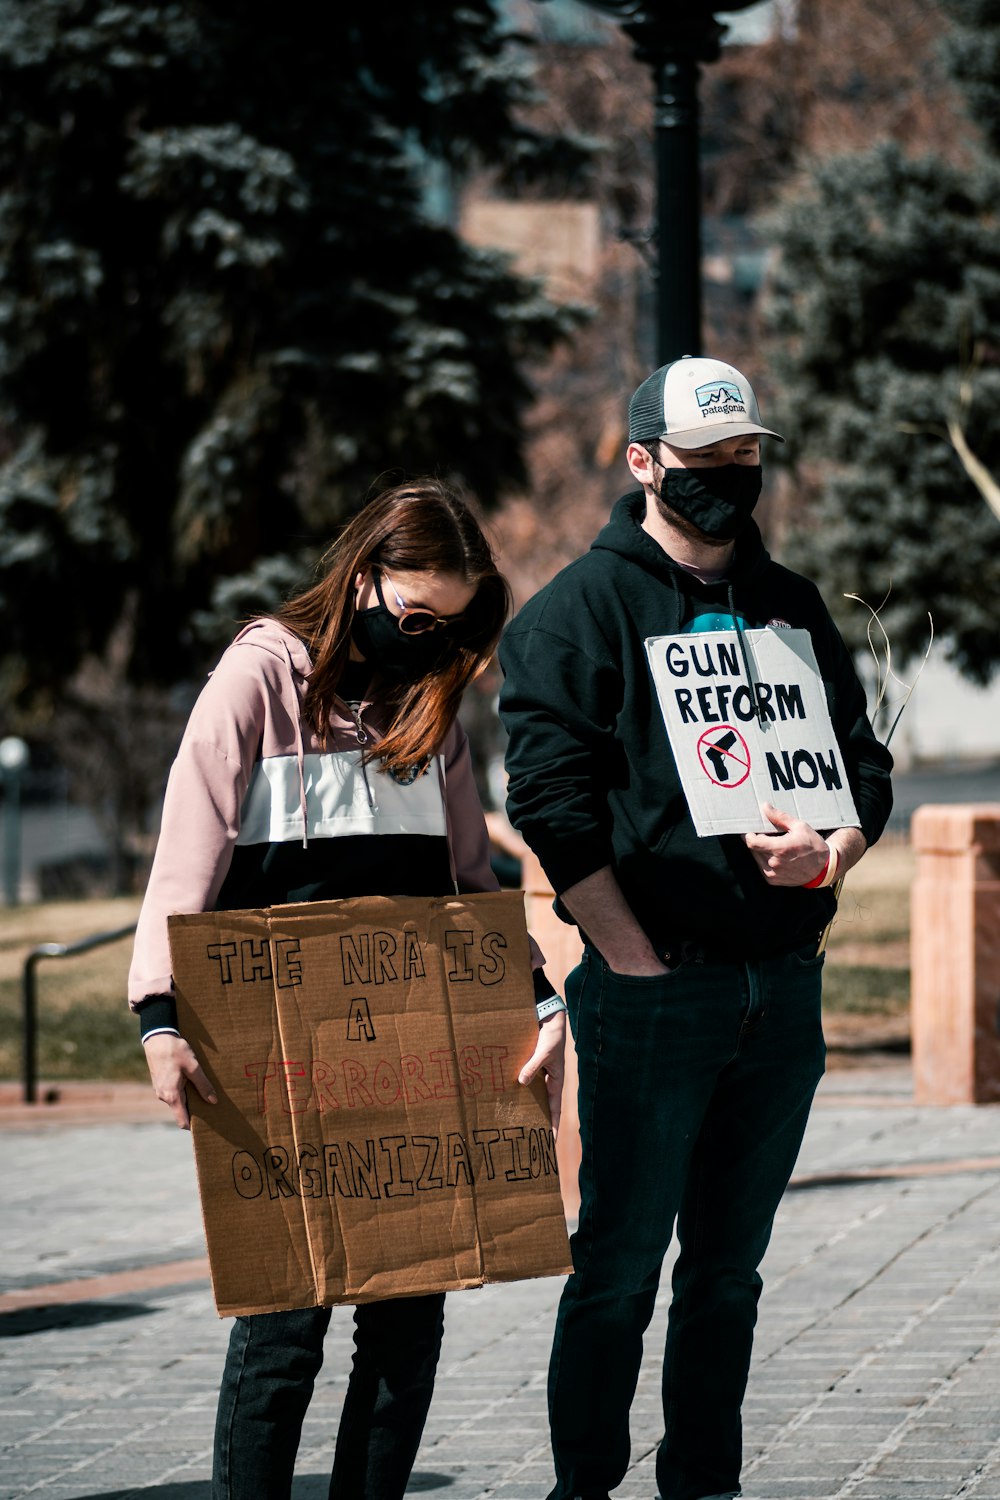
(324, 759)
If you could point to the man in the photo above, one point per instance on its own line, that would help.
(696, 1008)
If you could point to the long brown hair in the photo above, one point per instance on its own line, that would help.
(424, 526)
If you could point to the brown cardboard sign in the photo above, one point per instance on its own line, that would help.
(371, 1139)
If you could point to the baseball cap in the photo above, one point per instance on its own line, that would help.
(695, 401)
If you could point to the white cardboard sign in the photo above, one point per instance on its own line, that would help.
(730, 760)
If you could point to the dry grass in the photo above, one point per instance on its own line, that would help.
(84, 1027)
(868, 957)
(24, 927)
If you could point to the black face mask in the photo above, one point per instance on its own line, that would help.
(719, 501)
(377, 635)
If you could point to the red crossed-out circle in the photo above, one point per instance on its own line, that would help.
(725, 741)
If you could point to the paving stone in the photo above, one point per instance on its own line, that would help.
(876, 1372)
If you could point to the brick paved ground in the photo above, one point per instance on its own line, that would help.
(877, 1365)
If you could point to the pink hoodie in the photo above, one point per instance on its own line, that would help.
(250, 773)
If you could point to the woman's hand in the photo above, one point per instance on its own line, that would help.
(172, 1066)
(549, 1057)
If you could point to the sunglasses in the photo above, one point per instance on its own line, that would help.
(414, 621)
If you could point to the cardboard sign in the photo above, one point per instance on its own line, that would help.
(371, 1139)
(729, 757)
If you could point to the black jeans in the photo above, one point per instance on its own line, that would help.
(270, 1371)
(695, 1089)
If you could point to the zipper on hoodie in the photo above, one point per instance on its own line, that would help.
(354, 709)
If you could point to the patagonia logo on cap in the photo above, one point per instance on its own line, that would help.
(723, 399)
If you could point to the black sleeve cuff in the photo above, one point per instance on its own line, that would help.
(155, 1013)
(543, 989)
(572, 860)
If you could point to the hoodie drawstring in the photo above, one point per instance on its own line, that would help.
(751, 680)
(443, 784)
(300, 753)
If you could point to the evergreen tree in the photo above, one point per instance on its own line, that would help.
(224, 309)
(972, 54)
(884, 309)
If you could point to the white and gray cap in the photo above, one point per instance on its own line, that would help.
(695, 401)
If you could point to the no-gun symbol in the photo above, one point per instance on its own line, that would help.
(724, 756)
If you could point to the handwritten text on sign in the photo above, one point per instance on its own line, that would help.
(371, 1138)
(739, 741)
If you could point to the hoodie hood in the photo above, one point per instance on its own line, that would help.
(623, 534)
(278, 641)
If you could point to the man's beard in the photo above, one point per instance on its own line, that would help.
(687, 529)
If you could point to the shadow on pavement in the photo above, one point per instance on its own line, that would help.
(27, 1320)
(306, 1487)
(193, 1489)
(316, 1486)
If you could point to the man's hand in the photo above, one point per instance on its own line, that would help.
(549, 1056)
(793, 855)
(600, 910)
(173, 1065)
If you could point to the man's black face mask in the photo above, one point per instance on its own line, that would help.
(719, 501)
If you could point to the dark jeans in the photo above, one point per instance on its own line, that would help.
(695, 1088)
(270, 1371)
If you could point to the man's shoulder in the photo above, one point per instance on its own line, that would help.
(783, 583)
(583, 585)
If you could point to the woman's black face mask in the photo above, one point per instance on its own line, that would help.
(403, 658)
(719, 501)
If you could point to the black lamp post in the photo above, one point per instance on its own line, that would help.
(674, 39)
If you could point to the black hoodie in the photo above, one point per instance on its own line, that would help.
(592, 780)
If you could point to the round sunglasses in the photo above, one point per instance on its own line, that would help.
(414, 621)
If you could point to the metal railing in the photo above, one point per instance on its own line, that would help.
(29, 992)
